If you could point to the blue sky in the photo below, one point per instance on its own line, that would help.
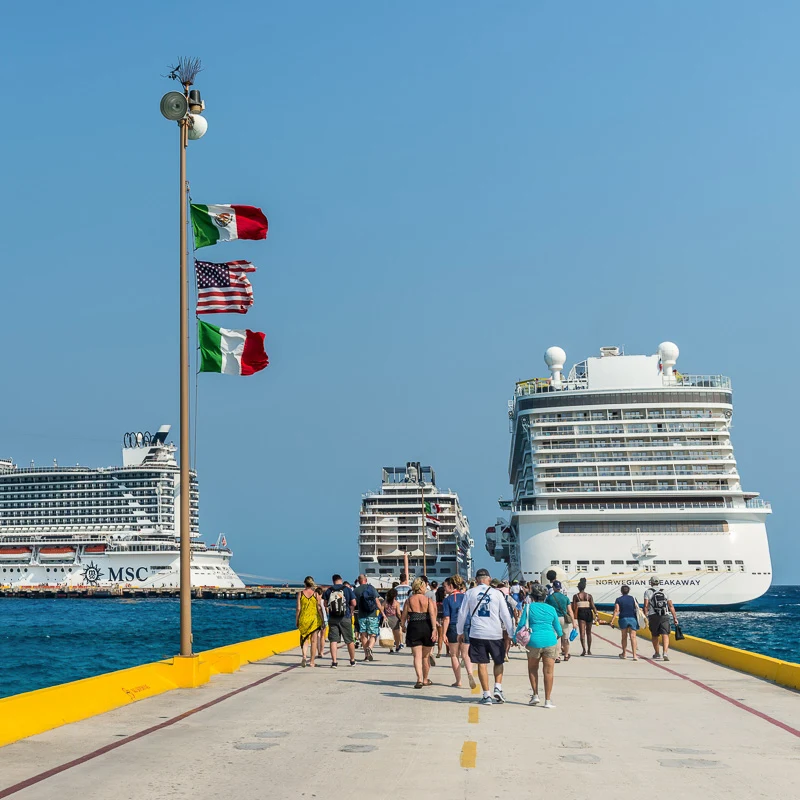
(451, 188)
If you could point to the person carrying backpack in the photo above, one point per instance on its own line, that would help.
(369, 606)
(339, 602)
(658, 607)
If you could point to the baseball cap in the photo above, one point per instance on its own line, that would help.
(557, 585)
(482, 573)
(654, 581)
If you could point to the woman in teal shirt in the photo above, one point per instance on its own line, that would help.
(542, 620)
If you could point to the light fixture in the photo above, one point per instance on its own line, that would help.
(174, 106)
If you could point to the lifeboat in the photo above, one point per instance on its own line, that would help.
(15, 555)
(94, 548)
(56, 553)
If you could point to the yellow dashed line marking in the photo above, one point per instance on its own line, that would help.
(472, 716)
(469, 753)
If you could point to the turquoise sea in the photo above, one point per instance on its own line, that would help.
(45, 642)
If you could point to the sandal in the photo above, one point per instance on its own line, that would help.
(455, 685)
(428, 683)
(417, 685)
(622, 656)
(558, 661)
(567, 657)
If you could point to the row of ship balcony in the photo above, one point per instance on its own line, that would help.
(617, 444)
(632, 429)
(616, 472)
(617, 486)
(525, 504)
(632, 457)
(625, 415)
(377, 511)
(371, 534)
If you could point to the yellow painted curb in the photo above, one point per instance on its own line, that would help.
(34, 712)
(784, 673)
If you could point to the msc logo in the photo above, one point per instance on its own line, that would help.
(127, 574)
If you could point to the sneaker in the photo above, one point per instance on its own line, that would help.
(334, 665)
(498, 696)
(534, 701)
(657, 658)
(353, 663)
(371, 657)
(549, 704)
(665, 658)
(486, 701)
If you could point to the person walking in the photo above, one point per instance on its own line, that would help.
(368, 605)
(391, 613)
(454, 589)
(627, 610)
(584, 610)
(541, 619)
(440, 637)
(657, 606)
(321, 632)
(483, 617)
(560, 602)
(403, 593)
(339, 603)
(419, 623)
(308, 619)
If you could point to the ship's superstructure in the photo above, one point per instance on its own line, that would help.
(393, 525)
(624, 469)
(79, 526)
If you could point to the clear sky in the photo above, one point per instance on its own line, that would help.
(451, 187)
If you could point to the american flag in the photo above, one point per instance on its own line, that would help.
(223, 288)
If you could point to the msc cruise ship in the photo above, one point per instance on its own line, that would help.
(624, 469)
(114, 526)
(393, 526)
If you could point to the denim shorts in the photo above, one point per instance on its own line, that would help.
(628, 622)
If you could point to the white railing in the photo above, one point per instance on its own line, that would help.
(757, 502)
(696, 381)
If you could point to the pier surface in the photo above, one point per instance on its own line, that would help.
(687, 728)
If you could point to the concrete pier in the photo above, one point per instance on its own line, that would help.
(688, 729)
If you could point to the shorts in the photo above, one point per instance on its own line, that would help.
(418, 634)
(658, 624)
(542, 652)
(368, 625)
(628, 622)
(392, 622)
(452, 634)
(482, 650)
(566, 628)
(340, 629)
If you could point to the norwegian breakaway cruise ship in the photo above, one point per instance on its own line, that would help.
(393, 524)
(114, 526)
(623, 470)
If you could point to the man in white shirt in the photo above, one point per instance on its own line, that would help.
(483, 616)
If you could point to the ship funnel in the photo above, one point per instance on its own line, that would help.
(555, 357)
(668, 353)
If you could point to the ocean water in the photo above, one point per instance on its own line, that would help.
(45, 642)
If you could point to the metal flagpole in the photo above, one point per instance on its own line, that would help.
(185, 506)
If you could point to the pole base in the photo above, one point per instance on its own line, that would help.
(190, 672)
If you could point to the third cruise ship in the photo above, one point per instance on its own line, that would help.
(624, 469)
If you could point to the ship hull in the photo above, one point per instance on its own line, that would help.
(711, 583)
(143, 570)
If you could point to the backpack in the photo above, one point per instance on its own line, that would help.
(367, 603)
(337, 605)
(659, 603)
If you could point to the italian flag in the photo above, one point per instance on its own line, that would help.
(212, 224)
(432, 508)
(230, 352)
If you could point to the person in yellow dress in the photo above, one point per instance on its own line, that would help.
(308, 619)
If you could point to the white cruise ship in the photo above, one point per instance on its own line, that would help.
(107, 527)
(393, 525)
(624, 469)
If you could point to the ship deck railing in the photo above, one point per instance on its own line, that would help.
(676, 381)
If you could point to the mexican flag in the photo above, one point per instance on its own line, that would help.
(212, 224)
(432, 508)
(230, 352)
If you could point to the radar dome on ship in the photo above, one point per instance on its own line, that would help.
(668, 352)
(555, 357)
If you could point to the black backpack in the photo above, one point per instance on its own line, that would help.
(337, 605)
(659, 602)
(368, 602)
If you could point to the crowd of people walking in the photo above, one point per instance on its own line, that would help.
(474, 625)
